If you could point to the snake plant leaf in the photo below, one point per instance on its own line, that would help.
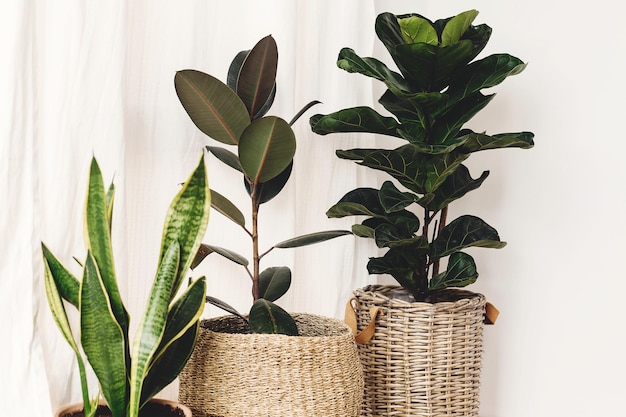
(225, 306)
(447, 126)
(481, 142)
(392, 199)
(356, 119)
(53, 283)
(98, 241)
(169, 364)
(110, 198)
(103, 338)
(224, 206)
(416, 29)
(274, 282)
(371, 67)
(464, 232)
(152, 326)
(213, 107)
(361, 201)
(461, 272)
(178, 338)
(266, 191)
(186, 221)
(454, 187)
(268, 318)
(64, 281)
(485, 73)
(311, 238)
(456, 27)
(228, 254)
(226, 156)
(257, 77)
(266, 148)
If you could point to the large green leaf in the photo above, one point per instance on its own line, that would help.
(98, 241)
(274, 282)
(359, 202)
(234, 68)
(103, 339)
(412, 108)
(226, 157)
(265, 191)
(152, 325)
(268, 318)
(388, 31)
(311, 238)
(228, 209)
(416, 29)
(110, 199)
(225, 306)
(481, 142)
(393, 200)
(454, 187)
(213, 107)
(356, 119)
(226, 253)
(371, 67)
(464, 232)
(461, 272)
(186, 221)
(266, 148)
(257, 76)
(65, 283)
(390, 236)
(456, 27)
(449, 124)
(178, 339)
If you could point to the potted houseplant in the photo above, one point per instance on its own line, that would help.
(269, 371)
(130, 374)
(435, 93)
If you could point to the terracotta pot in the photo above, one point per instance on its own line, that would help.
(154, 408)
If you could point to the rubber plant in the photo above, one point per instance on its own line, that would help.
(437, 90)
(130, 374)
(235, 114)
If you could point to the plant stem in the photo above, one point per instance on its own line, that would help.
(442, 223)
(255, 243)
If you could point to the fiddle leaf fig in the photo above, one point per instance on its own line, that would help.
(438, 90)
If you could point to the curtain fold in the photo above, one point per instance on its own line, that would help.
(84, 79)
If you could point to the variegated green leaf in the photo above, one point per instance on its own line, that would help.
(65, 283)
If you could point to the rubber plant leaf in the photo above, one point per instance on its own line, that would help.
(226, 156)
(98, 242)
(274, 282)
(257, 76)
(461, 272)
(266, 191)
(186, 221)
(225, 306)
(356, 119)
(213, 107)
(226, 253)
(233, 75)
(103, 339)
(267, 147)
(51, 281)
(64, 282)
(464, 232)
(268, 318)
(175, 346)
(224, 206)
(311, 238)
(152, 325)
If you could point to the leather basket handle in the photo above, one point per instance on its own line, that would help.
(350, 319)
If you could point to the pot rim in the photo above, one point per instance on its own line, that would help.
(78, 406)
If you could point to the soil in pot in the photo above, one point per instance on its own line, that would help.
(149, 410)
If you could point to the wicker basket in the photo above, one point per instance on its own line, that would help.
(423, 359)
(236, 375)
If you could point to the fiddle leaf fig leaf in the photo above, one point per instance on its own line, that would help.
(371, 67)
(257, 76)
(213, 107)
(449, 125)
(268, 318)
(226, 157)
(356, 119)
(389, 235)
(456, 27)
(393, 199)
(461, 273)
(416, 29)
(274, 282)
(224, 206)
(266, 148)
(454, 187)
(358, 202)
(481, 142)
(311, 238)
(464, 232)
(362, 230)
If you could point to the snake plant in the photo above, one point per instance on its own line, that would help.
(234, 114)
(129, 372)
(437, 90)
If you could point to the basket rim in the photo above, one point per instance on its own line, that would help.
(381, 291)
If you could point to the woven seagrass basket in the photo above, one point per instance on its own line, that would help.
(231, 374)
(423, 359)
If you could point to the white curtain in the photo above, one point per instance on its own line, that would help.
(82, 78)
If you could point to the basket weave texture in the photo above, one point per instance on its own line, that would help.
(232, 374)
(424, 359)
